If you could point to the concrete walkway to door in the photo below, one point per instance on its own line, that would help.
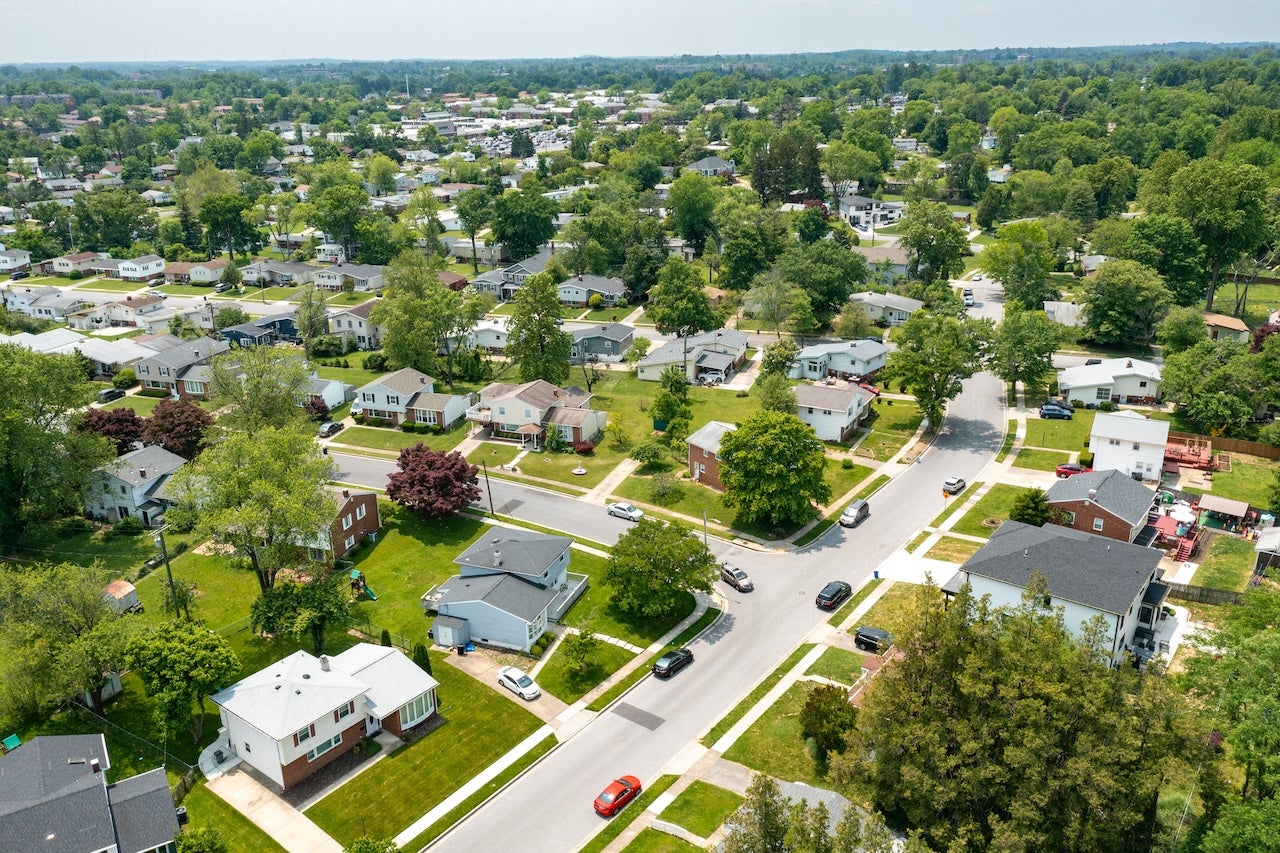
(287, 826)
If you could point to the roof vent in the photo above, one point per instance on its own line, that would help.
(75, 761)
(1026, 552)
(306, 675)
(497, 557)
(1129, 364)
(277, 687)
(1093, 494)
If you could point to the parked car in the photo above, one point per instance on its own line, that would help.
(953, 485)
(672, 662)
(155, 282)
(736, 578)
(968, 300)
(1062, 404)
(1070, 469)
(222, 287)
(872, 639)
(1089, 361)
(854, 513)
(869, 388)
(329, 428)
(1049, 412)
(712, 377)
(977, 276)
(626, 511)
(617, 794)
(106, 395)
(832, 594)
(19, 275)
(357, 408)
(519, 683)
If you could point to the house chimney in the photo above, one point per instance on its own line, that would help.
(346, 493)
(1093, 493)
(93, 763)
(579, 276)
(142, 472)
(324, 663)
(1129, 364)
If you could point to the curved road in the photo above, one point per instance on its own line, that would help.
(549, 807)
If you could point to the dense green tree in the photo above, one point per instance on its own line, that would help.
(1030, 507)
(826, 717)
(1168, 244)
(1181, 329)
(677, 303)
(692, 202)
(260, 494)
(304, 609)
(935, 354)
(112, 219)
(1021, 260)
(1123, 302)
(778, 357)
(655, 567)
(772, 469)
(772, 299)
(256, 388)
(227, 317)
(475, 210)
(935, 243)
(536, 343)
(760, 824)
(43, 465)
(122, 427)
(202, 839)
(1024, 345)
(775, 393)
(223, 218)
(827, 272)
(523, 221)
(337, 211)
(181, 663)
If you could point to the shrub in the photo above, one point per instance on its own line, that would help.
(128, 526)
(584, 447)
(69, 527)
(178, 549)
(846, 464)
(124, 379)
(595, 301)
(75, 275)
(386, 637)
(375, 361)
(664, 488)
(346, 363)
(1106, 406)
(158, 393)
(1079, 404)
(358, 418)
(742, 393)
(409, 426)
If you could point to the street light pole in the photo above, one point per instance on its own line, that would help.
(173, 593)
(488, 488)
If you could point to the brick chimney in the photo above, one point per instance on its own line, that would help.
(324, 663)
(142, 472)
(93, 763)
(346, 493)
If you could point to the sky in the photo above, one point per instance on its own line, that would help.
(70, 31)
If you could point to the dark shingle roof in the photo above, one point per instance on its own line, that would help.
(143, 810)
(1117, 493)
(507, 593)
(48, 790)
(1094, 571)
(518, 552)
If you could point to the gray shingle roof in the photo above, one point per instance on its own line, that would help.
(835, 398)
(515, 552)
(44, 795)
(1094, 571)
(189, 352)
(610, 331)
(143, 810)
(153, 459)
(708, 437)
(407, 380)
(674, 351)
(507, 593)
(1116, 492)
(281, 698)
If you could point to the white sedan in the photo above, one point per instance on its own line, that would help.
(519, 683)
(626, 511)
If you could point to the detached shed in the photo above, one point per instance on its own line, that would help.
(122, 596)
(1223, 513)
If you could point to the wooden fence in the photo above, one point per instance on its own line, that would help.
(1202, 594)
(1228, 445)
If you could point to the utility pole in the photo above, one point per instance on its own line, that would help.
(488, 488)
(173, 592)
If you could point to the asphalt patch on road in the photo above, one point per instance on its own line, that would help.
(637, 716)
(510, 507)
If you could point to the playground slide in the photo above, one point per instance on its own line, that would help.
(369, 593)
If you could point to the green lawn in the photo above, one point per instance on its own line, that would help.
(111, 285)
(1010, 435)
(1040, 460)
(600, 315)
(1072, 435)
(890, 611)
(392, 438)
(502, 309)
(494, 454)
(774, 744)
(895, 422)
(142, 406)
(996, 503)
(355, 375)
(854, 600)
(655, 841)
(768, 683)
(952, 550)
(480, 725)
(702, 808)
(347, 299)
(595, 608)
(122, 555)
(950, 504)
(555, 678)
(622, 685)
(619, 823)
(205, 808)
(839, 665)
(1228, 565)
(191, 290)
(560, 466)
(1250, 479)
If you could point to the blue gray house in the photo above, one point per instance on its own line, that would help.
(606, 342)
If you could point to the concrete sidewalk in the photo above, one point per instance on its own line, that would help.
(287, 826)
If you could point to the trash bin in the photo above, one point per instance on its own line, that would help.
(462, 650)
(181, 814)
(218, 756)
(876, 574)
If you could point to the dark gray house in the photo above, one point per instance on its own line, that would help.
(284, 325)
(249, 335)
(606, 342)
(54, 795)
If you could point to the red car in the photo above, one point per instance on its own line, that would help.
(869, 388)
(618, 793)
(1068, 469)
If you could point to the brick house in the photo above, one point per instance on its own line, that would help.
(1105, 503)
(356, 518)
(704, 453)
(181, 371)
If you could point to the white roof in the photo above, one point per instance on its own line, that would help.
(1130, 426)
(44, 342)
(1268, 540)
(709, 436)
(289, 694)
(1106, 372)
(865, 350)
(393, 679)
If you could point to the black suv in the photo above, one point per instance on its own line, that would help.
(832, 594)
(872, 639)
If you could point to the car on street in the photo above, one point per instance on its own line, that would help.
(518, 682)
(953, 485)
(617, 794)
(854, 513)
(19, 275)
(968, 300)
(626, 511)
(832, 594)
(1049, 412)
(106, 395)
(329, 428)
(1070, 469)
(672, 662)
(736, 578)
(872, 639)
(977, 276)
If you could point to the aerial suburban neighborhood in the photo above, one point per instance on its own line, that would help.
(863, 451)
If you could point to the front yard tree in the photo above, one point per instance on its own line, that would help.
(677, 303)
(935, 354)
(475, 210)
(760, 824)
(180, 663)
(179, 426)
(433, 483)
(312, 319)
(772, 299)
(1123, 302)
(775, 393)
(121, 426)
(523, 221)
(1024, 345)
(778, 357)
(303, 609)
(43, 465)
(1181, 329)
(225, 225)
(1021, 260)
(772, 468)
(935, 243)
(1030, 507)
(692, 203)
(655, 567)
(257, 388)
(261, 494)
(536, 343)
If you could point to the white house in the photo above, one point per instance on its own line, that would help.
(354, 323)
(131, 485)
(888, 308)
(842, 359)
(298, 714)
(528, 412)
(1121, 380)
(13, 260)
(1129, 442)
(867, 213)
(721, 351)
(141, 268)
(834, 411)
(42, 303)
(208, 272)
(712, 166)
(357, 277)
(1087, 576)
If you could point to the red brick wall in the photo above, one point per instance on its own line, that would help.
(299, 769)
(360, 527)
(1086, 512)
(711, 476)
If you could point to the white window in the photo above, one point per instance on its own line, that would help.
(144, 369)
(360, 511)
(367, 397)
(346, 521)
(502, 410)
(1102, 394)
(349, 543)
(1070, 518)
(304, 734)
(164, 371)
(324, 746)
(1137, 446)
(1142, 384)
(416, 711)
(393, 400)
(1097, 524)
